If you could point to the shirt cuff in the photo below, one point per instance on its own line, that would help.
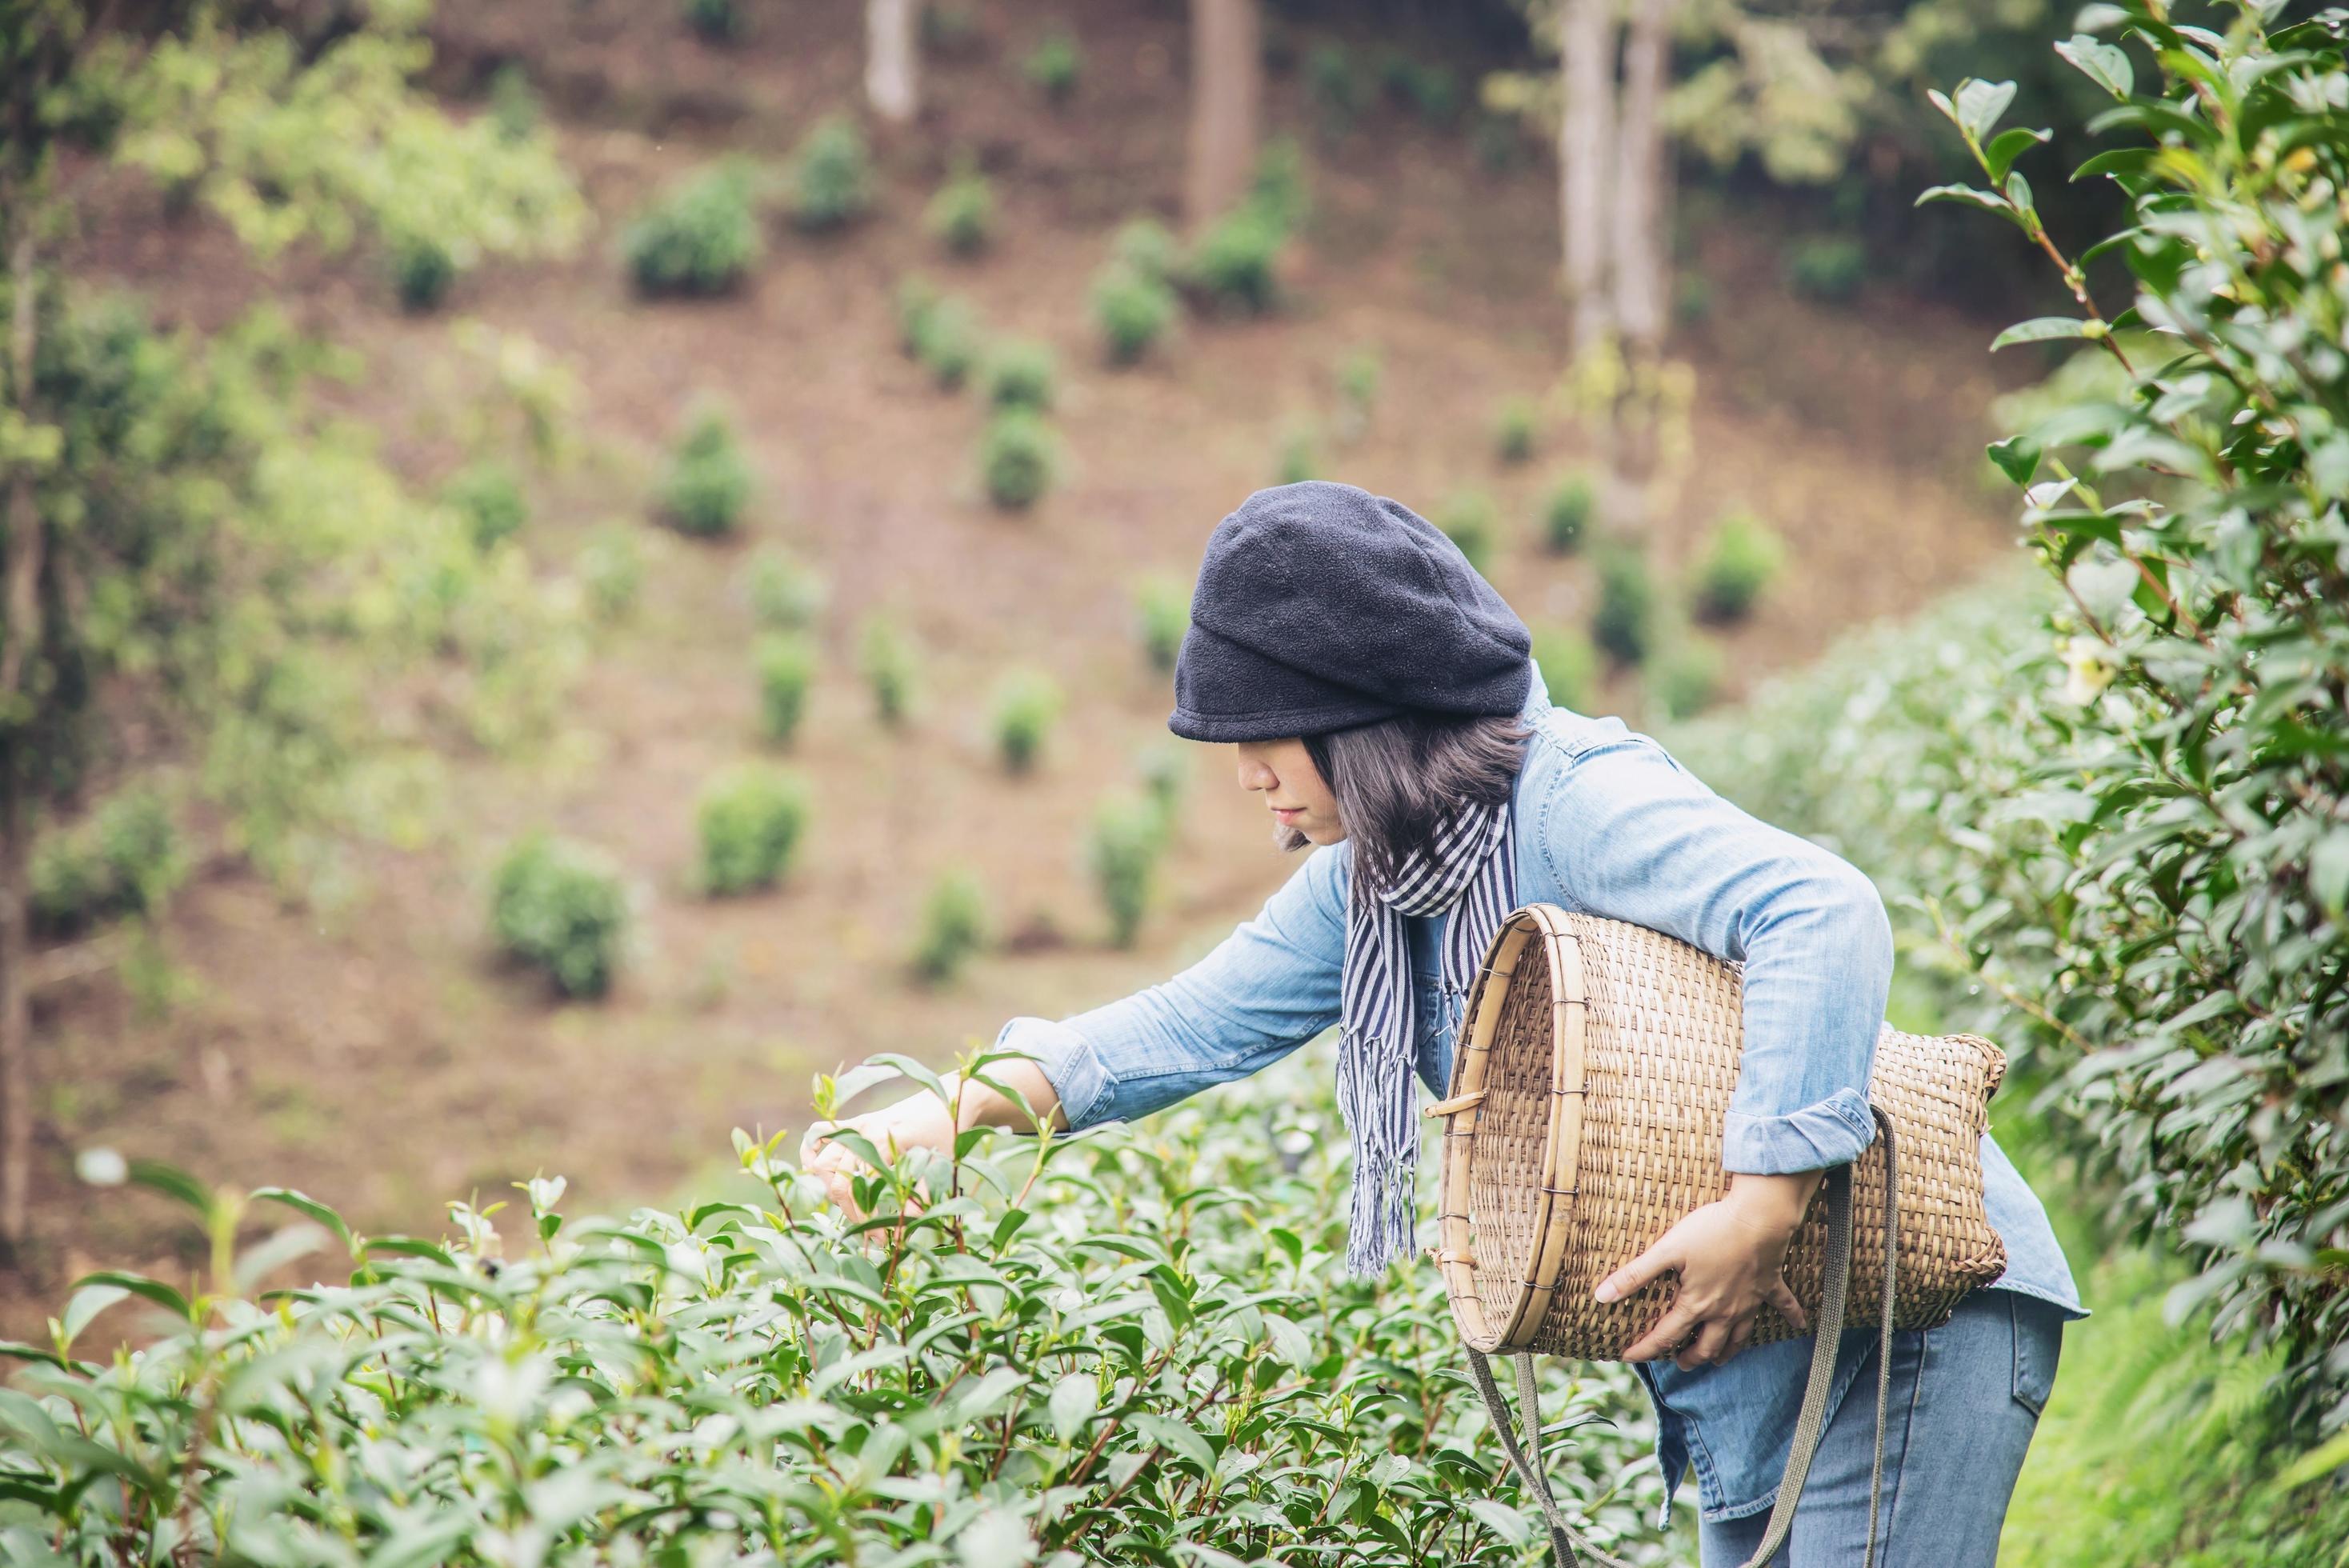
(1070, 1065)
(1831, 1132)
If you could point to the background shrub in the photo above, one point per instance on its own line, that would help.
(946, 340)
(1566, 513)
(962, 215)
(916, 297)
(1128, 836)
(786, 664)
(559, 906)
(953, 926)
(709, 483)
(1299, 459)
(611, 570)
(1020, 374)
(1053, 64)
(750, 819)
(1161, 614)
(1741, 556)
(1512, 429)
(514, 102)
(886, 657)
(1466, 518)
(1026, 703)
(488, 495)
(1165, 770)
(125, 858)
(701, 238)
(1685, 674)
(715, 21)
(1570, 664)
(423, 270)
(785, 592)
(831, 175)
(1149, 247)
(1357, 373)
(1018, 458)
(1827, 268)
(1336, 87)
(1132, 310)
(1236, 261)
(1623, 626)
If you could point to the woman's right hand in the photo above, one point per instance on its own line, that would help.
(920, 1120)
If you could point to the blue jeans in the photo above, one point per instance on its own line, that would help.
(1965, 1400)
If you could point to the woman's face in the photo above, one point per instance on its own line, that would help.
(1294, 790)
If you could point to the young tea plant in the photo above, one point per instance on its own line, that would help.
(961, 216)
(701, 238)
(954, 926)
(831, 175)
(1027, 702)
(887, 658)
(1566, 513)
(1469, 520)
(1161, 606)
(750, 818)
(708, 483)
(786, 666)
(561, 907)
(1623, 624)
(1127, 840)
(1019, 457)
(1742, 557)
(785, 592)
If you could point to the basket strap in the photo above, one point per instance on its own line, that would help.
(1829, 1336)
(1565, 1541)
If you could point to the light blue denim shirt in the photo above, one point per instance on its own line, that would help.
(1606, 823)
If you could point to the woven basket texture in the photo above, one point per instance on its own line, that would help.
(1655, 1049)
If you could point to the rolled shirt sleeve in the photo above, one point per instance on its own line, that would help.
(1631, 835)
(1266, 989)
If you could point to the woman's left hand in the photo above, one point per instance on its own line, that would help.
(1730, 1255)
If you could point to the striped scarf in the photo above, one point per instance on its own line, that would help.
(1471, 855)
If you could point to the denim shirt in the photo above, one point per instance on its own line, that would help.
(1607, 823)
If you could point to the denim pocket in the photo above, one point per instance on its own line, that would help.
(2038, 1342)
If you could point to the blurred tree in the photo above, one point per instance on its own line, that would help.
(1227, 106)
(167, 509)
(891, 59)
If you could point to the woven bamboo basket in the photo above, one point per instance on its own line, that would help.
(1584, 1119)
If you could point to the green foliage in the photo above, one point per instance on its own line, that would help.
(1567, 511)
(949, 29)
(1161, 614)
(954, 925)
(1498, 143)
(1278, 185)
(125, 859)
(513, 103)
(1027, 701)
(750, 818)
(1019, 373)
(962, 215)
(1299, 457)
(1019, 457)
(1691, 296)
(560, 906)
(1053, 64)
(887, 658)
(423, 269)
(701, 237)
(1741, 556)
(488, 495)
(1337, 86)
(714, 21)
(1468, 519)
(916, 296)
(1132, 310)
(1147, 246)
(709, 483)
(1235, 263)
(785, 592)
(611, 569)
(1570, 664)
(786, 663)
(1127, 841)
(1357, 373)
(1165, 770)
(1140, 1337)
(1829, 268)
(1514, 429)
(1685, 674)
(1426, 87)
(1623, 624)
(945, 337)
(831, 175)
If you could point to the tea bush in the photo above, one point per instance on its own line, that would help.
(1165, 770)
(786, 663)
(1741, 556)
(1020, 373)
(1432, 90)
(1134, 1347)
(423, 270)
(709, 483)
(1235, 263)
(1052, 67)
(1358, 376)
(1149, 247)
(946, 340)
(962, 215)
(916, 296)
(953, 926)
(1018, 458)
(1685, 674)
(611, 570)
(488, 495)
(560, 906)
(1623, 624)
(701, 238)
(1132, 310)
(514, 102)
(831, 175)
(750, 819)
(1467, 519)
(1826, 269)
(1514, 428)
(784, 590)
(1026, 703)
(887, 658)
(1127, 840)
(1566, 513)
(126, 858)
(1570, 664)
(1162, 614)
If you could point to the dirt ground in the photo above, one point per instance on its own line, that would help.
(376, 1056)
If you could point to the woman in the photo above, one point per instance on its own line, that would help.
(1380, 694)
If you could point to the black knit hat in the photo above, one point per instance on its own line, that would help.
(1320, 605)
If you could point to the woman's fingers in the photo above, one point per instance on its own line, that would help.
(1670, 1330)
(1782, 1296)
(1708, 1345)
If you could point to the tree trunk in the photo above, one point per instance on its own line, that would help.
(18, 649)
(892, 60)
(1226, 93)
(1641, 263)
(1584, 134)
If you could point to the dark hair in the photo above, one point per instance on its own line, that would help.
(1398, 780)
